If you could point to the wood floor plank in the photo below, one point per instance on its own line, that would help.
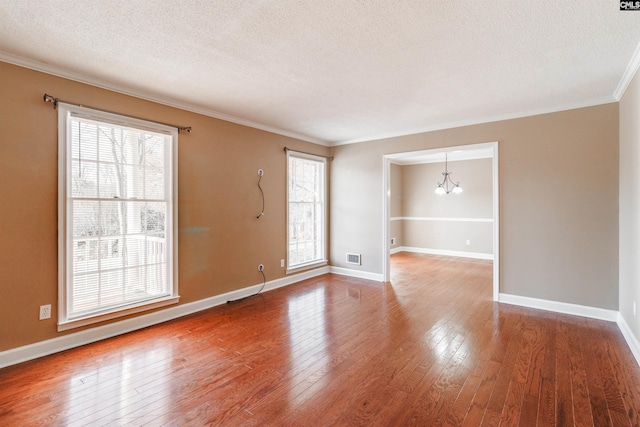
(481, 398)
(546, 416)
(579, 386)
(459, 409)
(563, 395)
(429, 348)
(501, 387)
(524, 378)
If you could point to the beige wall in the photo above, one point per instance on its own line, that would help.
(220, 241)
(395, 205)
(420, 200)
(630, 204)
(558, 201)
(420, 181)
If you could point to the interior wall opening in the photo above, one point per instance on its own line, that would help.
(425, 214)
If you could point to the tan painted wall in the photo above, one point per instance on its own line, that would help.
(220, 241)
(419, 200)
(630, 204)
(558, 201)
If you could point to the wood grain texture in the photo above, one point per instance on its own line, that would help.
(430, 348)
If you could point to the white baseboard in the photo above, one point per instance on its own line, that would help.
(396, 250)
(560, 307)
(476, 255)
(357, 273)
(629, 337)
(87, 336)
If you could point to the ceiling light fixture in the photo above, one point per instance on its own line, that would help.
(447, 185)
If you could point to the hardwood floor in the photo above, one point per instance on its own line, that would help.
(430, 348)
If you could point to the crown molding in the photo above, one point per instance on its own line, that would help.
(104, 84)
(481, 120)
(630, 72)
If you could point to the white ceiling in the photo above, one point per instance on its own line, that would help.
(335, 71)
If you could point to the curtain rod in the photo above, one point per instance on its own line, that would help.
(55, 101)
(304, 152)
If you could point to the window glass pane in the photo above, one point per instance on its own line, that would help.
(154, 183)
(155, 217)
(85, 218)
(136, 282)
(112, 222)
(84, 181)
(110, 253)
(110, 176)
(85, 256)
(109, 142)
(85, 293)
(135, 251)
(84, 138)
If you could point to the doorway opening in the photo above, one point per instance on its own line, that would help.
(490, 218)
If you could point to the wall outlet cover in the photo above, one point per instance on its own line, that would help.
(45, 312)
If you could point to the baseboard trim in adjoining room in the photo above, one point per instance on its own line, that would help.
(428, 251)
(44, 348)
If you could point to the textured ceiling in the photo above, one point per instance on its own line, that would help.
(335, 71)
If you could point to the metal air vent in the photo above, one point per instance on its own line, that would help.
(353, 259)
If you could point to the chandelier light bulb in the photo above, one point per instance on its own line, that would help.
(457, 189)
(440, 190)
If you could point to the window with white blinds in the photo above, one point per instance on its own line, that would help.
(117, 215)
(306, 214)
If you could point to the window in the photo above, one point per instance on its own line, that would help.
(306, 216)
(117, 215)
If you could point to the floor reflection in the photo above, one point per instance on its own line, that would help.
(115, 386)
(308, 333)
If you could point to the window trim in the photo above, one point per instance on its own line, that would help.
(320, 262)
(65, 111)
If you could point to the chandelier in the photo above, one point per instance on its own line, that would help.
(447, 185)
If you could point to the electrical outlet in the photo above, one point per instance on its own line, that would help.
(282, 263)
(468, 242)
(45, 311)
(634, 308)
(260, 267)
(393, 240)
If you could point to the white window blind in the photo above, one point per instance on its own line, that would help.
(306, 214)
(117, 212)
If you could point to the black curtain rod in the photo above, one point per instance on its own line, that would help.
(304, 152)
(55, 101)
